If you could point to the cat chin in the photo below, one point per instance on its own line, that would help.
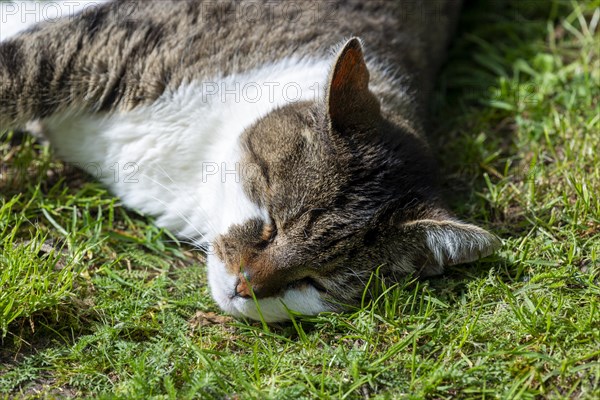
(305, 300)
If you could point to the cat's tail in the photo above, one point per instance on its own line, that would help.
(34, 67)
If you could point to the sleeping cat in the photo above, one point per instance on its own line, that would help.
(286, 139)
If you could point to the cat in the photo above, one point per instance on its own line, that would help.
(286, 139)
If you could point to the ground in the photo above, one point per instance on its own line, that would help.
(97, 302)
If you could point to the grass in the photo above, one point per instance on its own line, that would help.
(97, 302)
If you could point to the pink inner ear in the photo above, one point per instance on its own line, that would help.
(350, 72)
(350, 104)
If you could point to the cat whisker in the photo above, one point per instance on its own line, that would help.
(184, 218)
(205, 213)
(179, 194)
(194, 245)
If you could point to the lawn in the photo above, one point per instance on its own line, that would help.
(97, 302)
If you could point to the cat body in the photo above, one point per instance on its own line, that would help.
(263, 132)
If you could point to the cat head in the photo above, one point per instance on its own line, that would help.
(346, 189)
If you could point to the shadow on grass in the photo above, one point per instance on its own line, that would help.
(478, 93)
(478, 99)
(43, 330)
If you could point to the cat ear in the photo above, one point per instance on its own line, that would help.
(350, 104)
(450, 242)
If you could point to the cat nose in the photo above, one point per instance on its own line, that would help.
(243, 288)
(248, 288)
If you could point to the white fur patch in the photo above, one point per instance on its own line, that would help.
(179, 160)
(453, 242)
(17, 16)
